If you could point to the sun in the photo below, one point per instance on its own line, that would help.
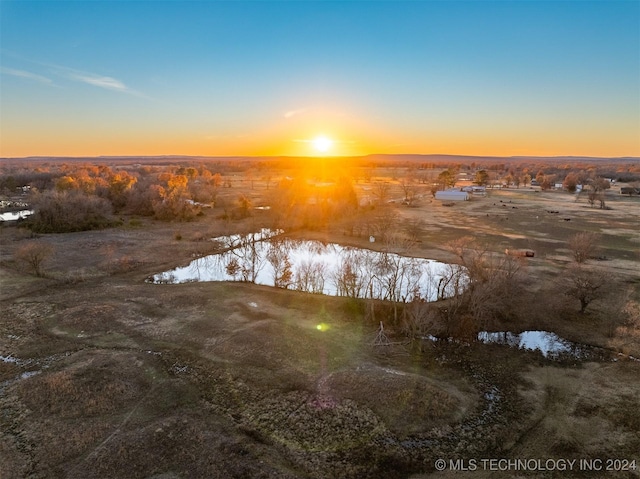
(322, 144)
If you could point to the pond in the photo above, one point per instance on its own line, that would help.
(267, 258)
(15, 215)
(548, 343)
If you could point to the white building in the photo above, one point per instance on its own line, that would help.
(452, 195)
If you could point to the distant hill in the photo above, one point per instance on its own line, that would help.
(373, 158)
(435, 158)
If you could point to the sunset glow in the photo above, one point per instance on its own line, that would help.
(262, 78)
(322, 144)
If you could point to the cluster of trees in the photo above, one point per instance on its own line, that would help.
(82, 197)
(178, 192)
(521, 172)
(68, 211)
(487, 286)
(74, 197)
(301, 203)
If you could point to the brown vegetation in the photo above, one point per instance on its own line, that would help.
(33, 256)
(106, 375)
(587, 284)
(584, 245)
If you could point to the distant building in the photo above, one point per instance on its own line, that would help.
(474, 189)
(452, 195)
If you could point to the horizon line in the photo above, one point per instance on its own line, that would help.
(453, 155)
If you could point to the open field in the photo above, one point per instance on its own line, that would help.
(105, 375)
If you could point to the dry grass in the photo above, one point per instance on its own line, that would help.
(94, 384)
(590, 412)
(407, 403)
(233, 390)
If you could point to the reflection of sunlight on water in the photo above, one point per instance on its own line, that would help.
(316, 267)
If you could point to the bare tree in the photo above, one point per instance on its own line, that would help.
(409, 188)
(244, 206)
(233, 268)
(587, 284)
(278, 257)
(383, 224)
(249, 254)
(380, 191)
(309, 276)
(594, 196)
(491, 295)
(419, 318)
(583, 245)
(479, 290)
(351, 275)
(267, 178)
(33, 255)
(597, 192)
(413, 227)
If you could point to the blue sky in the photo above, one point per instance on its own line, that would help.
(265, 77)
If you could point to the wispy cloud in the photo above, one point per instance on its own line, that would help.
(89, 78)
(292, 113)
(93, 79)
(27, 75)
(107, 83)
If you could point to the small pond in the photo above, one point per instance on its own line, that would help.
(15, 215)
(267, 258)
(549, 344)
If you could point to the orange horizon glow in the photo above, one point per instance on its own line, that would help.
(294, 136)
(354, 130)
(352, 127)
(303, 146)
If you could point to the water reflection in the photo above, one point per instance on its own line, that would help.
(15, 215)
(549, 344)
(324, 268)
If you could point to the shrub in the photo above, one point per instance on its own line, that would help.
(583, 245)
(63, 212)
(33, 255)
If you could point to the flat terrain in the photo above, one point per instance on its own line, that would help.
(105, 375)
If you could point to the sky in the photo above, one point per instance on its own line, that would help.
(304, 78)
